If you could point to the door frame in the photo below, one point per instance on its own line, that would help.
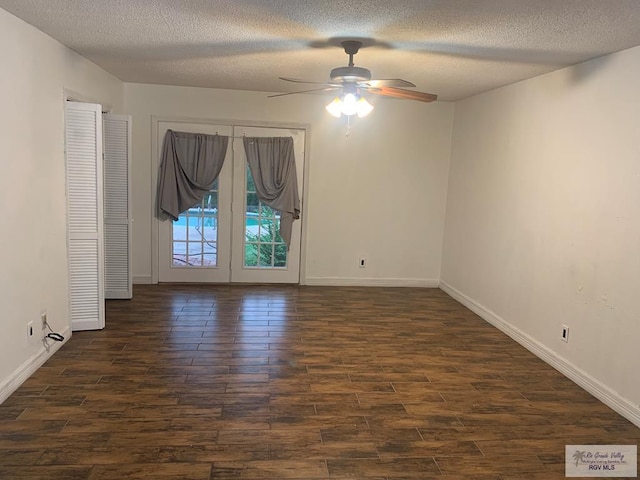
(155, 165)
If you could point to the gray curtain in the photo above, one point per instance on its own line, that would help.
(189, 165)
(273, 167)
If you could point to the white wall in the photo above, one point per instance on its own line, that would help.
(33, 249)
(380, 192)
(543, 219)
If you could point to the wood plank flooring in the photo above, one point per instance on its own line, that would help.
(263, 382)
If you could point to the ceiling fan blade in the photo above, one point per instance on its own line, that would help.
(326, 89)
(400, 93)
(297, 80)
(388, 82)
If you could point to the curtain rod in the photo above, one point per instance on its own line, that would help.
(242, 136)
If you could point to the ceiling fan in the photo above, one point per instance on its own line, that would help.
(352, 81)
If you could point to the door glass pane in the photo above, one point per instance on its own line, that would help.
(252, 203)
(280, 255)
(263, 244)
(266, 255)
(195, 234)
(251, 254)
(266, 230)
(276, 229)
(194, 249)
(179, 253)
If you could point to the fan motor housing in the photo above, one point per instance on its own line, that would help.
(350, 74)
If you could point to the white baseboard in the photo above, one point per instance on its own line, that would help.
(142, 279)
(599, 390)
(28, 368)
(372, 282)
(343, 281)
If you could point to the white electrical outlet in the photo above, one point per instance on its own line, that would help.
(362, 262)
(30, 332)
(565, 334)
(43, 317)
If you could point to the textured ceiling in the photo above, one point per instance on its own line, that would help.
(453, 48)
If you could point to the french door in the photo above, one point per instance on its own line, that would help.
(262, 255)
(231, 236)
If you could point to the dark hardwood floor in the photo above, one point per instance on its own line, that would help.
(258, 382)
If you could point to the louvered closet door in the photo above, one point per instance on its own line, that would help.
(117, 206)
(83, 143)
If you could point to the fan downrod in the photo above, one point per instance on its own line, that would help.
(351, 47)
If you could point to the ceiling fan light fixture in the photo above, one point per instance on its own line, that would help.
(364, 107)
(335, 107)
(349, 104)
